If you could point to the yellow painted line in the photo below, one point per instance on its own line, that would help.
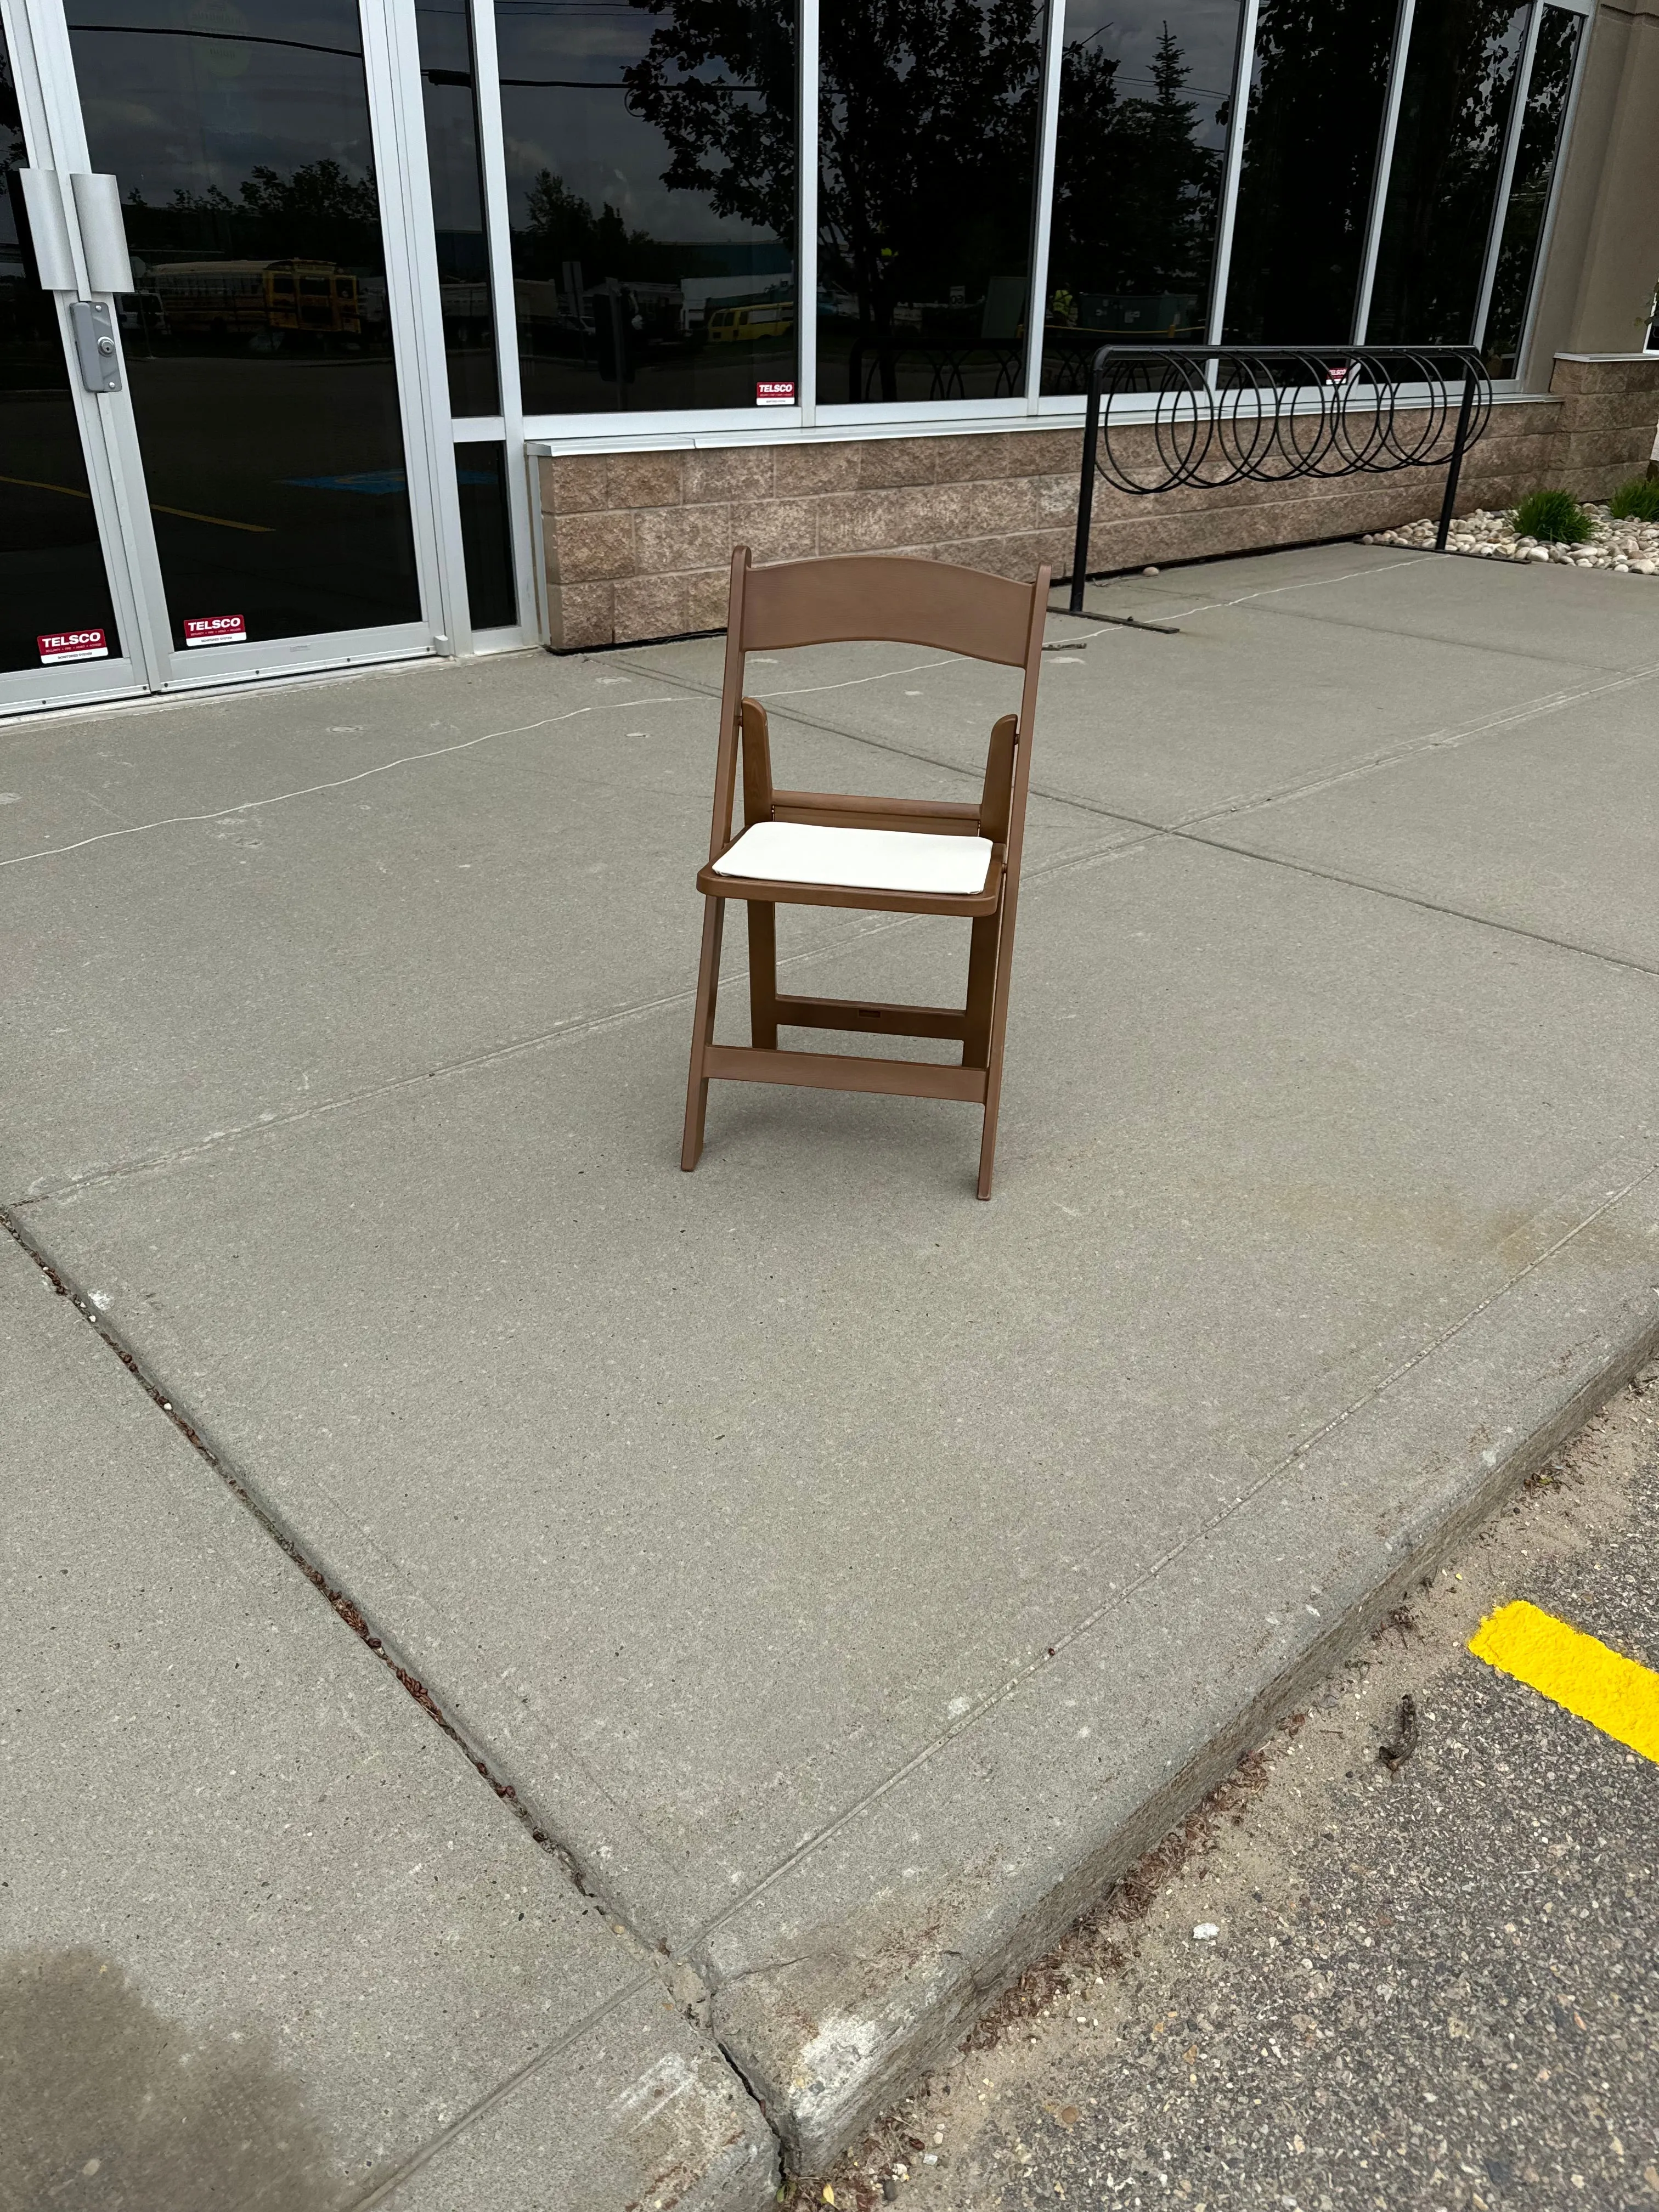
(183, 513)
(1570, 1668)
(32, 483)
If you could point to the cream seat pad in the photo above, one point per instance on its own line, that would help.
(862, 859)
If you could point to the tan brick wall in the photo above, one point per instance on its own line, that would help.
(638, 546)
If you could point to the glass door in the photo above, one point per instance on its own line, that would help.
(223, 178)
(67, 621)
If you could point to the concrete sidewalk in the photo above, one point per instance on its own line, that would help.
(850, 1576)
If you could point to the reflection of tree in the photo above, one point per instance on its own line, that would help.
(320, 212)
(927, 128)
(1309, 155)
(1529, 190)
(562, 228)
(1135, 193)
(1460, 77)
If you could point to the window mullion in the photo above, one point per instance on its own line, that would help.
(1237, 124)
(1402, 39)
(1054, 55)
(1506, 174)
(807, 215)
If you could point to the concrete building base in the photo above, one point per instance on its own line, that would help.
(636, 545)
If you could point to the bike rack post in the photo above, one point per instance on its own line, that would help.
(1455, 467)
(1085, 490)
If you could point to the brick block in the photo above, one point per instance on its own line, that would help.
(887, 462)
(650, 606)
(580, 615)
(803, 469)
(729, 472)
(584, 548)
(644, 479)
(571, 483)
(672, 539)
(777, 529)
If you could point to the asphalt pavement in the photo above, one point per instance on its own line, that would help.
(1350, 1985)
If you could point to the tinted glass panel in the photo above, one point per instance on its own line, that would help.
(258, 345)
(481, 478)
(1144, 101)
(651, 176)
(1530, 187)
(51, 572)
(445, 32)
(1448, 151)
(927, 130)
(1304, 193)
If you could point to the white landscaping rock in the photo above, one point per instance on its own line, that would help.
(1626, 548)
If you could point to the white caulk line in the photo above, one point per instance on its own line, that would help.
(339, 783)
(886, 675)
(1307, 584)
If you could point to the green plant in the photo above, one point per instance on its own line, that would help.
(1554, 518)
(1637, 500)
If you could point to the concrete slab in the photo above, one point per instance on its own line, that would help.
(1550, 824)
(1257, 696)
(266, 1939)
(248, 907)
(779, 1531)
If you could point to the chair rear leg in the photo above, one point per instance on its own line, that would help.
(763, 976)
(1004, 962)
(703, 1030)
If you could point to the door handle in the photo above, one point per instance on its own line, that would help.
(43, 202)
(103, 234)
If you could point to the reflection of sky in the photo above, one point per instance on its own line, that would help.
(588, 138)
(1206, 31)
(164, 111)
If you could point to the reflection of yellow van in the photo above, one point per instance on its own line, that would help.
(766, 319)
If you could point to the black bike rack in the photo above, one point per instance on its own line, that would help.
(1223, 415)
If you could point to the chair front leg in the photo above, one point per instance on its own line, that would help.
(763, 975)
(703, 1029)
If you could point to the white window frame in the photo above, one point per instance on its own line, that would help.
(811, 421)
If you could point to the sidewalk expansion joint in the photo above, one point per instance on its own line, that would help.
(540, 1829)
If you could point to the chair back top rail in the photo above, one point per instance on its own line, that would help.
(888, 597)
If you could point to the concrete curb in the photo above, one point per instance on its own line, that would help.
(864, 1961)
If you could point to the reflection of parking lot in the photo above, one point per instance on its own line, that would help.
(292, 501)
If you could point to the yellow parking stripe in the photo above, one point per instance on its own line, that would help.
(1570, 1668)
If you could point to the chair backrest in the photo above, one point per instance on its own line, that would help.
(883, 596)
(889, 598)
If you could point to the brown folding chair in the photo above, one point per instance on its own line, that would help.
(880, 855)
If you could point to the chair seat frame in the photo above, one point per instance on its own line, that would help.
(899, 600)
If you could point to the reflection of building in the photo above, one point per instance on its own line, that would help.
(526, 372)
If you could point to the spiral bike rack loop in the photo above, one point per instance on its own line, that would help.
(1222, 415)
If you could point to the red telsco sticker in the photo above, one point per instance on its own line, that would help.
(73, 645)
(214, 630)
(775, 395)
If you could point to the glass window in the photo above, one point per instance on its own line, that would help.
(486, 537)
(445, 34)
(258, 343)
(651, 155)
(1318, 85)
(927, 138)
(1548, 91)
(54, 599)
(1145, 94)
(1448, 154)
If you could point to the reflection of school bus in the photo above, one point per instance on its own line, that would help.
(219, 296)
(765, 319)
